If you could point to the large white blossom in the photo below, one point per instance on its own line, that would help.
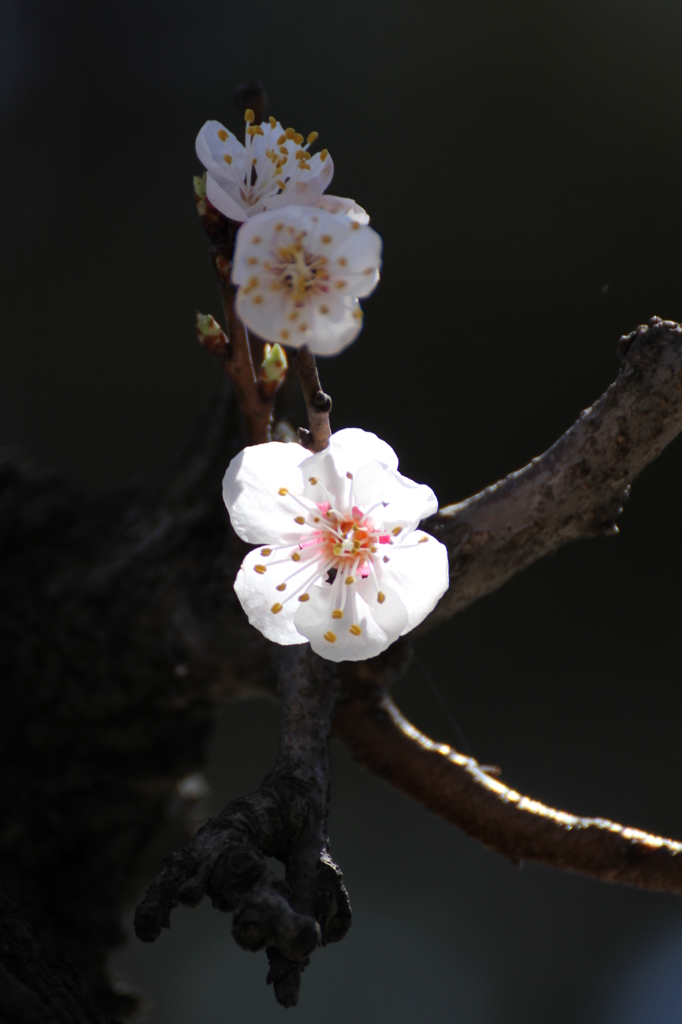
(340, 560)
(273, 168)
(300, 272)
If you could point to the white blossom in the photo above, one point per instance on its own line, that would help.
(300, 272)
(273, 168)
(340, 560)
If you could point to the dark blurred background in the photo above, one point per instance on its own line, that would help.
(522, 161)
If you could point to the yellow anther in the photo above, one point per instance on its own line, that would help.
(249, 115)
(227, 158)
(358, 314)
(337, 614)
(312, 479)
(396, 530)
(256, 240)
(293, 315)
(337, 549)
(354, 225)
(277, 607)
(324, 153)
(252, 261)
(342, 261)
(381, 597)
(282, 491)
(281, 139)
(257, 299)
(340, 283)
(296, 557)
(279, 226)
(304, 597)
(355, 630)
(312, 137)
(253, 282)
(260, 569)
(284, 334)
(281, 586)
(284, 150)
(290, 132)
(326, 239)
(423, 540)
(303, 327)
(300, 520)
(222, 134)
(349, 476)
(316, 519)
(324, 309)
(273, 123)
(298, 139)
(348, 580)
(303, 166)
(330, 637)
(255, 129)
(265, 552)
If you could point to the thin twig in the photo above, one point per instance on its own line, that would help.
(460, 790)
(318, 403)
(237, 354)
(577, 488)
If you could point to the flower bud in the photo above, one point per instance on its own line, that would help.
(207, 326)
(274, 365)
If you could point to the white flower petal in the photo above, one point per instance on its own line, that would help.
(258, 594)
(251, 490)
(265, 313)
(212, 149)
(348, 451)
(347, 207)
(417, 571)
(221, 194)
(404, 502)
(367, 625)
(332, 325)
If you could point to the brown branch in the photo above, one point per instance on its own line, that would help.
(236, 352)
(577, 488)
(285, 818)
(318, 403)
(458, 789)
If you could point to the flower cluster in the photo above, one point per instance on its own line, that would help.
(340, 560)
(302, 258)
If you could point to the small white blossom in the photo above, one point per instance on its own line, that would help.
(340, 561)
(301, 271)
(274, 168)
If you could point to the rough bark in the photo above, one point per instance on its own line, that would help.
(577, 488)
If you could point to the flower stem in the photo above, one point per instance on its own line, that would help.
(318, 403)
